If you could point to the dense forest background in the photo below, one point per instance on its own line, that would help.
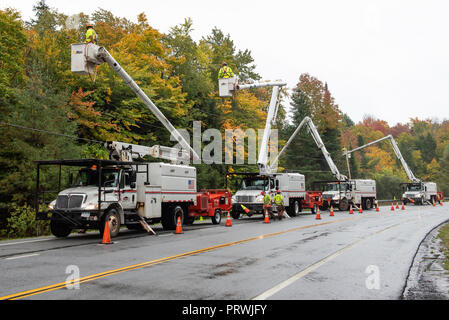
(47, 112)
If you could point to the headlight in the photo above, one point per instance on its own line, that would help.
(335, 198)
(52, 204)
(259, 198)
(91, 206)
(233, 199)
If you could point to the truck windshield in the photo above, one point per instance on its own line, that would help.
(413, 187)
(89, 177)
(337, 187)
(254, 184)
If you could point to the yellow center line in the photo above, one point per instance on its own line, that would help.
(61, 285)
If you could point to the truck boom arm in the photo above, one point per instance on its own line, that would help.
(396, 150)
(317, 138)
(97, 55)
(231, 85)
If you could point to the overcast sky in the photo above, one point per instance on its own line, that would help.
(388, 59)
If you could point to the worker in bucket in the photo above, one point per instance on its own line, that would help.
(279, 201)
(266, 202)
(91, 35)
(225, 71)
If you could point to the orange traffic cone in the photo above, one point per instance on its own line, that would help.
(228, 221)
(397, 205)
(318, 216)
(392, 207)
(266, 220)
(332, 211)
(433, 202)
(245, 208)
(350, 209)
(106, 234)
(360, 209)
(377, 206)
(403, 207)
(178, 226)
(441, 203)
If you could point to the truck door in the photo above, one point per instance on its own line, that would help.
(127, 194)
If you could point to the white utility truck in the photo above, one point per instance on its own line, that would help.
(416, 191)
(343, 192)
(119, 190)
(292, 185)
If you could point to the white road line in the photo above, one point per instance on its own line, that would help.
(24, 256)
(265, 295)
(21, 242)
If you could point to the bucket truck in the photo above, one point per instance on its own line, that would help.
(416, 191)
(121, 191)
(292, 185)
(344, 191)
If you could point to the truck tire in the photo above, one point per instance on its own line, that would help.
(170, 217)
(294, 209)
(113, 217)
(343, 205)
(59, 229)
(235, 214)
(189, 220)
(314, 209)
(367, 203)
(216, 219)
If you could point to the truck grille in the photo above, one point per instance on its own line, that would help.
(66, 202)
(246, 199)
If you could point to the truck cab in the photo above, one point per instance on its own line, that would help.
(291, 185)
(419, 192)
(341, 194)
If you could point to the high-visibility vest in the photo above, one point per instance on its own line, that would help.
(91, 32)
(225, 72)
(267, 199)
(278, 199)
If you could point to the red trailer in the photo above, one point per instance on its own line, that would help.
(313, 200)
(210, 203)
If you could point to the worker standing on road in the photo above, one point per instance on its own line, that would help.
(266, 202)
(91, 35)
(225, 72)
(279, 201)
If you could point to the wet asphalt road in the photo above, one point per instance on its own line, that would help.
(359, 256)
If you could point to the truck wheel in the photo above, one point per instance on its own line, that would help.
(235, 214)
(294, 209)
(113, 218)
(170, 218)
(343, 205)
(313, 209)
(367, 204)
(216, 219)
(59, 229)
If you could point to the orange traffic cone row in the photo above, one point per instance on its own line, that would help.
(350, 209)
(318, 216)
(392, 207)
(228, 221)
(266, 220)
(106, 234)
(332, 211)
(403, 207)
(178, 226)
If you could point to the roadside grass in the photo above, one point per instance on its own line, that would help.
(443, 234)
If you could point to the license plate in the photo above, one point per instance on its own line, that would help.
(85, 214)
